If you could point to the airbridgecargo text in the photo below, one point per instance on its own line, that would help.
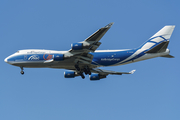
(109, 59)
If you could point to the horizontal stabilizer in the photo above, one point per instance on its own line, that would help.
(159, 48)
(168, 56)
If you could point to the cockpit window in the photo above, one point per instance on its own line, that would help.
(17, 52)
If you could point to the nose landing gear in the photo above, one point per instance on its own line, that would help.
(22, 72)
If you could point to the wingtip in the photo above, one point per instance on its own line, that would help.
(109, 25)
(132, 71)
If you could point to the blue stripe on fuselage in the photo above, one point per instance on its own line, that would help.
(29, 57)
(110, 58)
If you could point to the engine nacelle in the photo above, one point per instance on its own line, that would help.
(69, 74)
(58, 57)
(94, 76)
(77, 46)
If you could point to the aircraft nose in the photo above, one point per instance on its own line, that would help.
(6, 60)
(10, 59)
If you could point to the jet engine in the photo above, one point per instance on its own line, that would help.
(77, 46)
(69, 74)
(58, 57)
(95, 76)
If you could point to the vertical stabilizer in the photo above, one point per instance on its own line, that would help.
(159, 41)
(165, 32)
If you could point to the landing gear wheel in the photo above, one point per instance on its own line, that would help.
(22, 72)
(87, 70)
(90, 73)
(82, 75)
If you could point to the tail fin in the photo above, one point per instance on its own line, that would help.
(159, 41)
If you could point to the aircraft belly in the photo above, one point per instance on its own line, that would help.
(30, 64)
(63, 64)
(59, 64)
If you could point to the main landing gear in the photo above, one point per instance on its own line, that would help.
(86, 70)
(80, 71)
(22, 72)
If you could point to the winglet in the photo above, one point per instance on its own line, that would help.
(109, 25)
(132, 71)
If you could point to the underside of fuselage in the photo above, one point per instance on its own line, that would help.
(64, 64)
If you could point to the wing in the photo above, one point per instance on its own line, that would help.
(96, 74)
(92, 42)
(99, 74)
(107, 72)
(80, 51)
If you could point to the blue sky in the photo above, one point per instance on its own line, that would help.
(151, 93)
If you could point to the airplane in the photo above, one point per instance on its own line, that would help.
(84, 58)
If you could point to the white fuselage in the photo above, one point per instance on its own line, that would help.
(36, 58)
